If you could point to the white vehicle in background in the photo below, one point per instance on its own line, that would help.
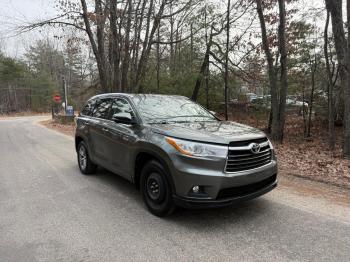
(251, 97)
(292, 103)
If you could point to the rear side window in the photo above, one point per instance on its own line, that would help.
(102, 107)
(87, 110)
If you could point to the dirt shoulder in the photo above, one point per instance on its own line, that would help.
(65, 129)
(311, 188)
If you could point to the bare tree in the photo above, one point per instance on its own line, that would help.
(342, 47)
(226, 56)
(270, 67)
(99, 47)
(278, 96)
(330, 86)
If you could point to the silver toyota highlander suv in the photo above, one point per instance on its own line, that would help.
(175, 151)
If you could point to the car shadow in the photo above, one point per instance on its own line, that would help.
(237, 214)
(118, 183)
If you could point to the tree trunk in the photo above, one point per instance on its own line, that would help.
(136, 44)
(304, 115)
(171, 42)
(115, 59)
(191, 42)
(207, 72)
(200, 76)
(98, 49)
(331, 130)
(207, 69)
(158, 59)
(309, 124)
(226, 56)
(204, 66)
(271, 71)
(346, 87)
(278, 134)
(343, 57)
(147, 47)
(126, 57)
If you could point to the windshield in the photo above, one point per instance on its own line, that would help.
(166, 109)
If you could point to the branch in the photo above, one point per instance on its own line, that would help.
(51, 21)
(177, 11)
(176, 41)
(220, 68)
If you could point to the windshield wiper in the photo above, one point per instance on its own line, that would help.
(162, 122)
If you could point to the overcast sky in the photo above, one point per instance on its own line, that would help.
(19, 12)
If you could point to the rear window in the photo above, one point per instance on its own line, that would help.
(87, 110)
(102, 107)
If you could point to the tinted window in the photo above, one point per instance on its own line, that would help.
(120, 106)
(160, 108)
(87, 110)
(101, 109)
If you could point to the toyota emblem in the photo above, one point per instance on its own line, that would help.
(255, 148)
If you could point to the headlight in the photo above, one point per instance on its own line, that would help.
(272, 150)
(197, 149)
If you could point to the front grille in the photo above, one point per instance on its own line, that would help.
(247, 189)
(240, 156)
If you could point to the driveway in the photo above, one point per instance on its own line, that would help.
(50, 212)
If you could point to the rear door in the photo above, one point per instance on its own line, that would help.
(122, 138)
(98, 130)
(84, 121)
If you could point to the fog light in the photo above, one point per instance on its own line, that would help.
(195, 189)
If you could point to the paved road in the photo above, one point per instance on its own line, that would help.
(49, 212)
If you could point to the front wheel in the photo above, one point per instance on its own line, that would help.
(86, 166)
(156, 190)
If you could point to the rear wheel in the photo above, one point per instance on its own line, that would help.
(156, 190)
(86, 166)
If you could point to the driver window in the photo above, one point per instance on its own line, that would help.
(120, 107)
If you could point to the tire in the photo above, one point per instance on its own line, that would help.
(86, 166)
(156, 190)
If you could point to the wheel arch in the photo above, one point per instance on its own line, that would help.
(143, 157)
(78, 139)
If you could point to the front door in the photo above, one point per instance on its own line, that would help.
(122, 138)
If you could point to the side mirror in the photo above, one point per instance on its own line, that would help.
(123, 118)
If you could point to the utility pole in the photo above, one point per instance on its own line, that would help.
(65, 95)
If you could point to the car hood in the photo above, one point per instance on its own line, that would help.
(220, 132)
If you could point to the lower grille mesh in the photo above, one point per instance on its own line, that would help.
(247, 189)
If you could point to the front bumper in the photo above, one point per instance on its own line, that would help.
(196, 203)
(217, 187)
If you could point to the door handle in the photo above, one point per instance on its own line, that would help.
(86, 123)
(105, 129)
